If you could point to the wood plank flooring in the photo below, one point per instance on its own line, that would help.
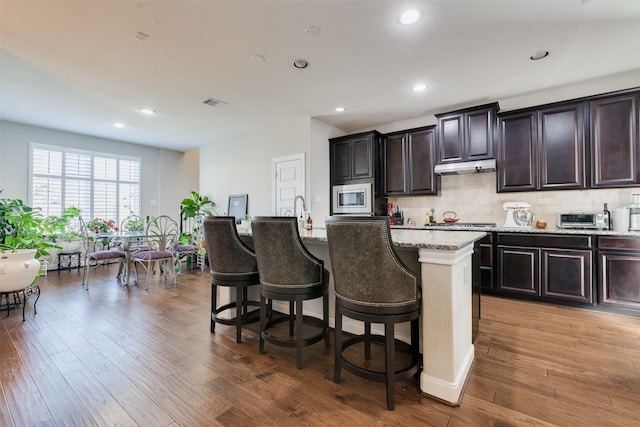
(123, 356)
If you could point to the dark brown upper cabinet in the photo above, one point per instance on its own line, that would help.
(468, 134)
(353, 157)
(542, 149)
(614, 141)
(408, 159)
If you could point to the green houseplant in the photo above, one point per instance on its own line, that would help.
(195, 205)
(21, 245)
(21, 227)
(59, 228)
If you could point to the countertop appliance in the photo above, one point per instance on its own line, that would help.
(518, 215)
(356, 199)
(597, 220)
(634, 213)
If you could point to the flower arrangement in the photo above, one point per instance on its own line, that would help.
(99, 225)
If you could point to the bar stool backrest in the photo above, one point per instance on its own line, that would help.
(282, 258)
(226, 252)
(365, 266)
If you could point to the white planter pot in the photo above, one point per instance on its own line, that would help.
(17, 270)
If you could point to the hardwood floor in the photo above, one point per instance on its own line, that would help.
(125, 356)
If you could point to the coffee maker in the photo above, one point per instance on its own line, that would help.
(634, 213)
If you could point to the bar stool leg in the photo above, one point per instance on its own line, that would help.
(338, 347)
(299, 320)
(263, 321)
(390, 354)
(241, 292)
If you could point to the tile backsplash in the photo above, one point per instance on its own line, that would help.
(474, 198)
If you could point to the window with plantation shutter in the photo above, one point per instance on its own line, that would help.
(100, 185)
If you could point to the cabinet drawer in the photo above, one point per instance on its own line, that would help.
(619, 243)
(545, 240)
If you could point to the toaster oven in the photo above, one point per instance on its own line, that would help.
(584, 220)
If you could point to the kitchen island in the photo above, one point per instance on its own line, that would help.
(443, 260)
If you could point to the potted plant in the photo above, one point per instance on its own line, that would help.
(59, 229)
(21, 245)
(196, 205)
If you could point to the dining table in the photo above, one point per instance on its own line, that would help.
(127, 241)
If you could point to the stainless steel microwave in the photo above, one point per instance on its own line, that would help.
(353, 199)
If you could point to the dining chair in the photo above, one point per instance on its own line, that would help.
(161, 235)
(98, 257)
(190, 249)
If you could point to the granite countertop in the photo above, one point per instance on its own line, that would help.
(547, 230)
(408, 237)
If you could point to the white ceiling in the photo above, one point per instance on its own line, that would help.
(77, 65)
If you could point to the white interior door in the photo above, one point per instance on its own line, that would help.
(288, 182)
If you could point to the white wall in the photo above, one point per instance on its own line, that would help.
(319, 200)
(167, 176)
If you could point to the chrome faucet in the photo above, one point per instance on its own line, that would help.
(295, 205)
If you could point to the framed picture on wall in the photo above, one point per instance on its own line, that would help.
(238, 206)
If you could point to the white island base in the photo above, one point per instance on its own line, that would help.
(447, 347)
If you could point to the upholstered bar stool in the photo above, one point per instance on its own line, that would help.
(374, 286)
(232, 264)
(288, 272)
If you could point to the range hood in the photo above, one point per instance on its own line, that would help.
(466, 167)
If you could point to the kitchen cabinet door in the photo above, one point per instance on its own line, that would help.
(479, 133)
(421, 150)
(615, 151)
(362, 157)
(451, 138)
(394, 161)
(341, 160)
(619, 272)
(517, 153)
(562, 147)
(468, 134)
(353, 157)
(518, 270)
(408, 162)
(567, 275)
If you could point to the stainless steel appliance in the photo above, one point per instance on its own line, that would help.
(598, 220)
(353, 199)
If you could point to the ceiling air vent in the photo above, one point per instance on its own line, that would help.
(212, 102)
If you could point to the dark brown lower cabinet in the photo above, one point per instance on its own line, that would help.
(619, 272)
(545, 267)
(567, 274)
(485, 263)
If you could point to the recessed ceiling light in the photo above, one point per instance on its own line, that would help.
(147, 111)
(301, 63)
(420, 87)
(340, 109)
(409, 17)
(539, 55)
(258, 58)
(119, 125)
